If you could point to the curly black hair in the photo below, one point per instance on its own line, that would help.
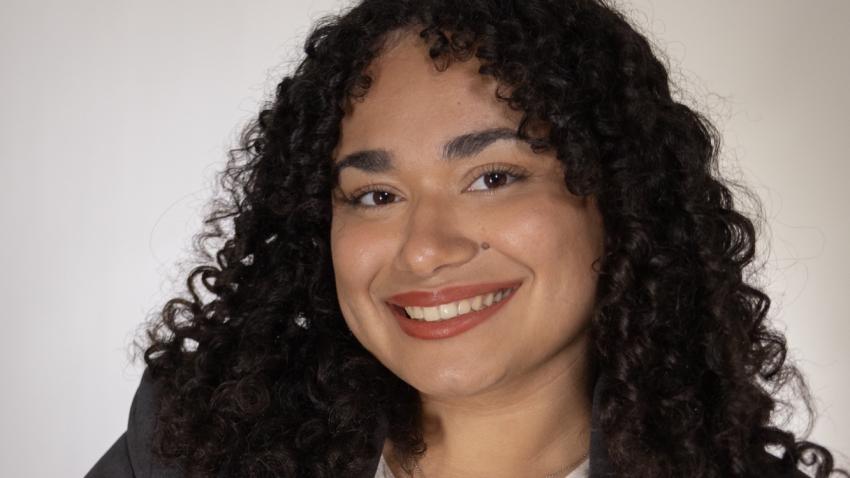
(259, 374)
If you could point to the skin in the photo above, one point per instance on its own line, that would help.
(510, 397)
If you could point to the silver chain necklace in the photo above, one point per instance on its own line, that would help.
(556, 474)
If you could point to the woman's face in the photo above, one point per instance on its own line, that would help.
(423, 226)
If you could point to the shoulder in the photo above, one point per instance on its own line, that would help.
(140, 428)
(131, 455)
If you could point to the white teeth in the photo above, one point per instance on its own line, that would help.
(447, 311)
(453, 309)
(477, 303)
(431, 313)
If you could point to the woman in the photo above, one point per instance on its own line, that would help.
(470, 239)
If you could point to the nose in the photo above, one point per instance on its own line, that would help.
(436, 236)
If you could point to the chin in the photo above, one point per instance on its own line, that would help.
(454, 381)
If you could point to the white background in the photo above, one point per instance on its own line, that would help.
(114, 115)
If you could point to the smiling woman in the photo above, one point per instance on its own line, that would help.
(416, 213)
(484, 241)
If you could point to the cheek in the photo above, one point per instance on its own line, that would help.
(541, 230)
(357, 250)
(556, 238)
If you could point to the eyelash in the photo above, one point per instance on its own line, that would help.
(517, 173)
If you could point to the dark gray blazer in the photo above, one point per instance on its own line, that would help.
(130, 455)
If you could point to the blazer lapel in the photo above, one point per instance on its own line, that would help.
(378, 441)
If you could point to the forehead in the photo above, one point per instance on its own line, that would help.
(411, 103)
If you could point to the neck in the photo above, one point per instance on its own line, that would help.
(533, 426)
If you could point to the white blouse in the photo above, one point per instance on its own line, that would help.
(583, 470)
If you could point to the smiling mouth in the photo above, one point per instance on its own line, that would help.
(455, 309)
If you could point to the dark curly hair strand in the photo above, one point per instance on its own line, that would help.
(261, 377)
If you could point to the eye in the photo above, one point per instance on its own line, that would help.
(370, 197)
(492, 177)
(495, 176)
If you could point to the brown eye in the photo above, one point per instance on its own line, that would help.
(371, 198)
(497, 177)
(381, 197)
(492, 178)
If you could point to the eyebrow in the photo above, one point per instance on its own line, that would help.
(459, 147)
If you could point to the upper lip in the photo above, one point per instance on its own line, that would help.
(424, 298)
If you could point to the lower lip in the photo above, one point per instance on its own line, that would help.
(443, 329)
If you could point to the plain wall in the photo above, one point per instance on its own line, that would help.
(114, 115)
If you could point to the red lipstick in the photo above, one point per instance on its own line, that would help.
(448, 294)
(442, 329)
